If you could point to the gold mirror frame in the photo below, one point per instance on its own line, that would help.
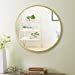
(23, 45)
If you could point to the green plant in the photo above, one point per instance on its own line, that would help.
(35, 34)
(4, 40)
(31, 17)
(28, 17)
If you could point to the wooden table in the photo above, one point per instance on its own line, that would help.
(45, 74)
(55, 74)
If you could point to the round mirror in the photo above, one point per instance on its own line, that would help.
(38, 28)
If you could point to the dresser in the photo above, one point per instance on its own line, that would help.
(55, 74)
(45, 74)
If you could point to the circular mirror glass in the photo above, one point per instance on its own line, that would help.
(38, 28)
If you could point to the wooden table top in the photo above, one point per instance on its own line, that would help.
(55, 74)
(45, 74)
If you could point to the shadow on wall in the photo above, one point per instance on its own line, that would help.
(16, 57)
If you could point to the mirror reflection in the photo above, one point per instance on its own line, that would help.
(38, 28)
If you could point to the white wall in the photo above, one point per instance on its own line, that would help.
(60, 58)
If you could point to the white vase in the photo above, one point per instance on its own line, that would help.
(3, 63)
